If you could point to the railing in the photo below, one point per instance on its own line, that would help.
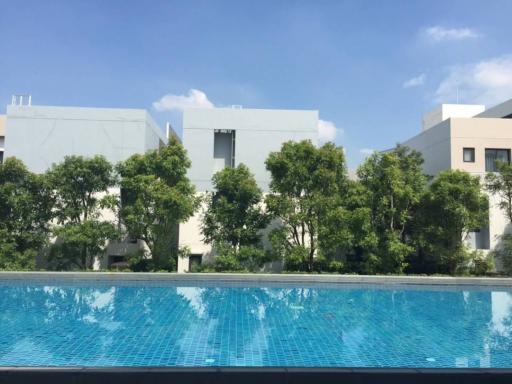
(21, 100)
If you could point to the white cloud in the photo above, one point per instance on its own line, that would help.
(415, 81)
(486, 82)
(327, 131)
(366, 151)
(439, 34)
(193, 99)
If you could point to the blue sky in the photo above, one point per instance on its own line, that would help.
(372, 68)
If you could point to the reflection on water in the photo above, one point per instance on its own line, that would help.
(254, 326)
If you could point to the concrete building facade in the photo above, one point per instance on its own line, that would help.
(41, 136)
(219, 137)
(469, 138)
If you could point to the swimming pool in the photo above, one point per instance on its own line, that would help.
(200, 324)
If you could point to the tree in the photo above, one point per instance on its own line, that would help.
(25, 213)
(394, 183)
(347, 229)
(306, 183)
(234, 215)
(500, 184)
(82, 193)
(157, 197)
(453, 206)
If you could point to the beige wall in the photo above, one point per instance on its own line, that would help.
(442, 148)
(191, 237)
(478, 133)
(482, 133)
(2, 125)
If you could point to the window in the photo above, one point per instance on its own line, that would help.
(469, 155)
(1, 157)
(494, 155)
(223, 149)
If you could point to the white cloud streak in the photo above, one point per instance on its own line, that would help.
(193, 99)
(439, 34)
(415, 81)
(485, 82)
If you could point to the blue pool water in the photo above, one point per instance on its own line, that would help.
(196, 324)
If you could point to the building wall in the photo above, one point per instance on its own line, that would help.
(478, 133)
(447, 111)
(190, 237)
(257, 133)
(442, 148)
(482, 133)
(2, 125)
(41, 135)
(434, 144)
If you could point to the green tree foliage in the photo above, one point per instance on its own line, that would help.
(25, 213)
(157, 196)
(306, 183)
(234, 214)
(234, 217)
(81, 186)
(347, 229)
(453, 206)
(393, 184)
(500, 184)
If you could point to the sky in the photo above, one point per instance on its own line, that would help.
(371, 68)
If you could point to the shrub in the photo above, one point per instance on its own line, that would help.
(503, 253)
(296, 259)
(481, 264)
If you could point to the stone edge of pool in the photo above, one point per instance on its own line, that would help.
(257, 278)
(278, 375)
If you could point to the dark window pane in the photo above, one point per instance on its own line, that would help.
(494, 155)
(223, 149)
(469, 155)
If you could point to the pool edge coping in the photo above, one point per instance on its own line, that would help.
(256, 278)
(270, 375)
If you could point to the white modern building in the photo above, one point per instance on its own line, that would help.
(469, 138)
(43, 135)
(218, 137)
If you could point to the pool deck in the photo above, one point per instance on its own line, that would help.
(260, 278)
